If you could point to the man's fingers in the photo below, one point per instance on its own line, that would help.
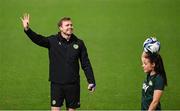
(92, 90)
(21, 19)
(91, 87)
(28, 16)
(24, 16)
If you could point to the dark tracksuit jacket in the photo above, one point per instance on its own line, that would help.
(64, 57)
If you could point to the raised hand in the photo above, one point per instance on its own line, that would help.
(25, 21)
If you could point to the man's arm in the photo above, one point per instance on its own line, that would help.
(86, 66)
(36, 38)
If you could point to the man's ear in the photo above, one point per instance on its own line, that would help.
(60, 28)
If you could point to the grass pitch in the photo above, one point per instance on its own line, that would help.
(113, 31)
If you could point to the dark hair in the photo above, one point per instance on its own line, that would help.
(63, 19)
(159, 67)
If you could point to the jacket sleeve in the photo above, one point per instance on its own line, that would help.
(86, 65)
(37, 39)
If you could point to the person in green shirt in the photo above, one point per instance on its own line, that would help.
(153, 85)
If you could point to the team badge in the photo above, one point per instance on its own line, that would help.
(54, 102)
(75, 46)
(150, 83)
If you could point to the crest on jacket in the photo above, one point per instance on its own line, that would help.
(75, 46)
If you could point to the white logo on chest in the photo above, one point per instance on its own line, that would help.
(145, 87)
(150, 83)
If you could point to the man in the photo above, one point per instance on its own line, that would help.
(65, 51)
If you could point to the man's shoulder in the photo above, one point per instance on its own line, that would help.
(54, 36)
(77, 39)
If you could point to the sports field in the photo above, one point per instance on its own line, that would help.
(113, 31)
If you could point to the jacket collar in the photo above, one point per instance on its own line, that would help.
(62, 39)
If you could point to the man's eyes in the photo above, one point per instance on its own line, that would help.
(69, 25)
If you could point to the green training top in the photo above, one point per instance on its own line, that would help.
(151, 83)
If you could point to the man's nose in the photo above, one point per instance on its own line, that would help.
(70, 26)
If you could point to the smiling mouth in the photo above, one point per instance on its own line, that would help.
(70, 30)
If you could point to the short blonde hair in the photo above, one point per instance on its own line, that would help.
(63, 19)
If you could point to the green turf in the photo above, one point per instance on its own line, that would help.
(113, 31)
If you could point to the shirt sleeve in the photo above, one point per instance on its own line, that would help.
(85, 64)
(37, 39)
(159, 83)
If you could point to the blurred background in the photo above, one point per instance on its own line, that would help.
(113, 31)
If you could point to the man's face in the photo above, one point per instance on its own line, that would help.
(66, 27)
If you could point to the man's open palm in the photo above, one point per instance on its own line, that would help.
(25, 21)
